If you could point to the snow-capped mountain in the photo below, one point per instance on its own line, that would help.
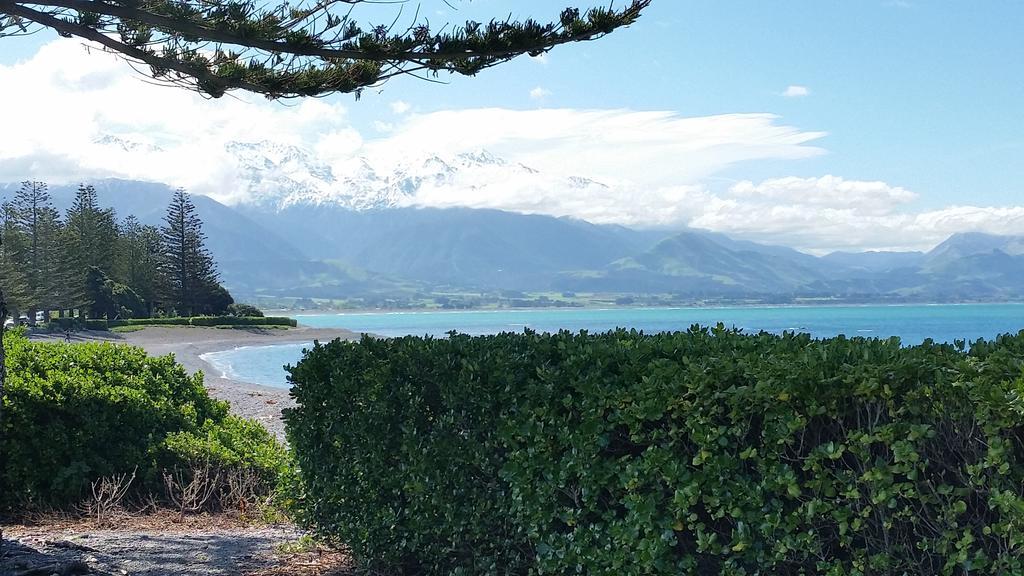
(278, 176)
(125, 144)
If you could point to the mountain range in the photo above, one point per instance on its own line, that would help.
(306, 231)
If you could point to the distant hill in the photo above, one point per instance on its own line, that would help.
(967, 244)
(697, 263)
(875, 261)
(301, 244)
(458, 247)
(229, 231)
(251, 257)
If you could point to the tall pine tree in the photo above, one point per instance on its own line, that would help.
(90, 240)
(41, 261)
(190, 276)
(12, 249)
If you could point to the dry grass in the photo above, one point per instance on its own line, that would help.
(202, 502)
(316, 562)
(149, 520)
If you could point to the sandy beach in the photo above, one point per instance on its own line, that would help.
(188, 344)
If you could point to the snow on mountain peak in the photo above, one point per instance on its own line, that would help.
(125, 144)
(280, 175)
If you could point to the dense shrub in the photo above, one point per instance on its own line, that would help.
(244, 310)
(76, 413)
(62, 324)
(242, 321)
(168, 321)
(705, 452)
(194, 321)
(231, 442)
(96, 324)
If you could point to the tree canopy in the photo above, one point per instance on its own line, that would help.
(307, 49)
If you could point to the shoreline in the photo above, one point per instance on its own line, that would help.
(298, 314)
(188, 343)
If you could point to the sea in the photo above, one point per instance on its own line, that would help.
(912, 324)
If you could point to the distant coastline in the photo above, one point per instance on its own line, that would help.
(299, 313)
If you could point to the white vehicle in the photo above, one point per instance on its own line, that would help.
(9, 323)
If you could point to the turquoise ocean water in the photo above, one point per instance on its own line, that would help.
(912, 324)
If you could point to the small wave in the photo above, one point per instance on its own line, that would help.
(221, 362)
(255, 364)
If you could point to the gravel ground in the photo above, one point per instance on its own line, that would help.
(147, 553)
(162, 543)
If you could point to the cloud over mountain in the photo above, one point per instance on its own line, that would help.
(831, 213)
(80, 116)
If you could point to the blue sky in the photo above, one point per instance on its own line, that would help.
(923, 96)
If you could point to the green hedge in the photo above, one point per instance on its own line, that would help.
(194, 321)
(704, 452)
(243, 321)
(96, 324)
(74, 413)
(67, 323)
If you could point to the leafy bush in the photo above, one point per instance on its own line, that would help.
(245, 462)
(76, 413)
(168, 321)
(245, 310)
(62, 324)
(704, 452)
(193, 321)
(230, 443)
(96, 324)
(242, 321)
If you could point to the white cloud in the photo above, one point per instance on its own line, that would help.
(643, 148)
(531, 192)
(795, 91)
(66, 98)
(539, 93)
(832, 213)
(816, 215)
(654, 167)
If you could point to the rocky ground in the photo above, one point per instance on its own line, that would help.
(159, 545)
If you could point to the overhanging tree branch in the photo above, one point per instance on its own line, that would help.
(220, 45)
(65, 27)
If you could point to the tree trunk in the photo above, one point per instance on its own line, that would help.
(3, 377)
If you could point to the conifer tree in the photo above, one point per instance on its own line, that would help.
(12, 248)
(39, 223)
(188, 269)
(90, 240)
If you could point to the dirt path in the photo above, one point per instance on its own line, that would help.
(255, 551)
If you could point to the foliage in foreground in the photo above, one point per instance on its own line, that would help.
(75, 413)
(705, 452)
